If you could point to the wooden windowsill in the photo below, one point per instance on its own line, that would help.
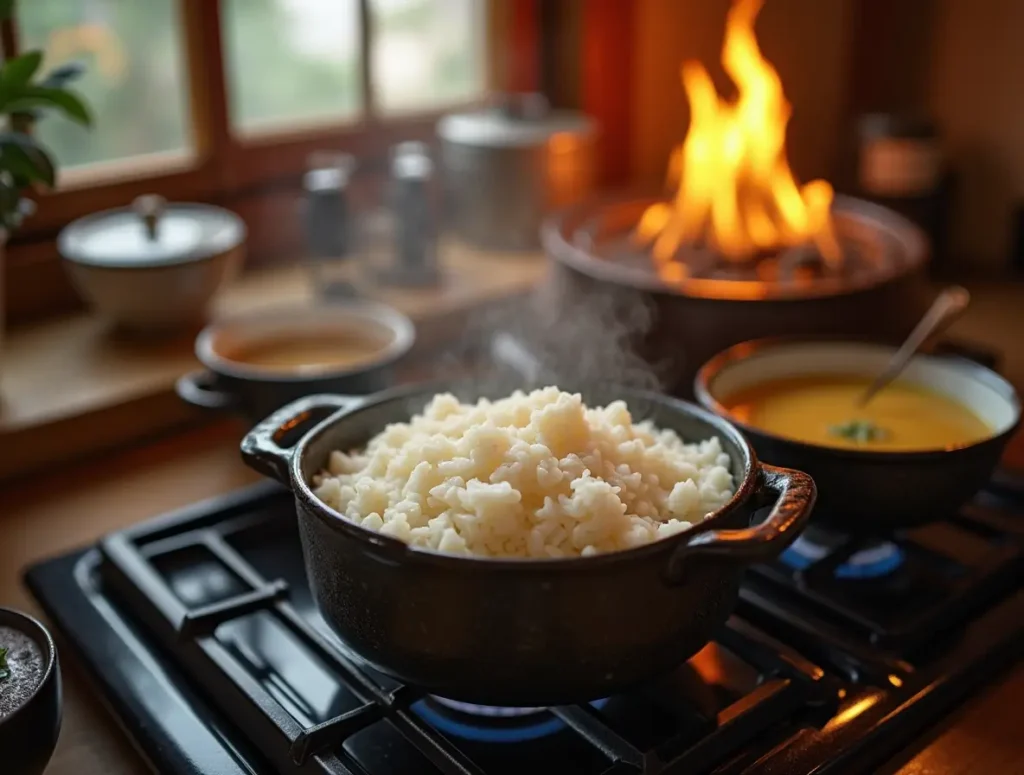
(70, 388)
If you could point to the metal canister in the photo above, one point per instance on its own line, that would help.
(506, 166)
(900, 156)
(902, 166)
(415, 218)
(328, 226)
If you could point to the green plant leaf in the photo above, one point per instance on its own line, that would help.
(23, 122)
(24, 170)
(23, 156)
(6, 9)
(18, 72)
(12, 211)
(859, 431)
(28, 99)
(60, 77)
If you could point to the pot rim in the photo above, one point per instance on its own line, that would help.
(754, 347)
(383, 543)
(402, 328)
(565, 252)
(18, 620)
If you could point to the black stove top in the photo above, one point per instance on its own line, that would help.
(199, 631)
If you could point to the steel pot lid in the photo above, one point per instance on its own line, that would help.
(151, 232)
(514, 121)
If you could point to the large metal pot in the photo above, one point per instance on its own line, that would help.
(508, 165)
(685, 327)
(523, 632)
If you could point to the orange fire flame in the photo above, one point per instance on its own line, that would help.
(734, 189)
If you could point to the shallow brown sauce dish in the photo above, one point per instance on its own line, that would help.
(258, 362)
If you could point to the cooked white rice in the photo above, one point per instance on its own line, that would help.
(531, 475)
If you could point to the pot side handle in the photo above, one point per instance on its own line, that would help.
(794, 493)
(199, 388)
(262, 447)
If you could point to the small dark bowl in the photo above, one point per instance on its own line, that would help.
(871, 491)
(254, 391)
(29, 734)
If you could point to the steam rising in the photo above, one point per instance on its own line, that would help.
(557, 336)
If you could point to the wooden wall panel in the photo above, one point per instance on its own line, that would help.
(806, 40)
(521, 68)
(608, 64)
(890, 61)
(977, 95)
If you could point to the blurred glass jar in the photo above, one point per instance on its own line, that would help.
(414, 206)
(900, 156)
(398, 232)
(329, 221)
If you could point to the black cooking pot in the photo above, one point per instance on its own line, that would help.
(523, 632)
(865, 490)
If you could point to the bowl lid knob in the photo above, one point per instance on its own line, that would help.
(150, 207)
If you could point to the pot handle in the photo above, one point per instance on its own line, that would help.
(262, 449)
(794, 494)
(199, 388)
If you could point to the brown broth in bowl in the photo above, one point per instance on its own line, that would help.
(325, 352)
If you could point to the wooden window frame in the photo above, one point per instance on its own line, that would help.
(255, 174)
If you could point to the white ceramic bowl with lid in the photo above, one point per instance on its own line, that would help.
(154, 266)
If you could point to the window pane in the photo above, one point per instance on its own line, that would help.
(135, 82)
(291, 61)
(427, 53)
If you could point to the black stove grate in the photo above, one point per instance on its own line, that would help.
(201, 634)
(949, 570)
(259, 650)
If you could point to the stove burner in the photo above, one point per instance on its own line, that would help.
(873, 562)
(489, 724)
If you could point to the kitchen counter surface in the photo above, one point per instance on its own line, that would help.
(71, 507)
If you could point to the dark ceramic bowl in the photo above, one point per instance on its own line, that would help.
(29, 734)
(255, 391)
(871, 491)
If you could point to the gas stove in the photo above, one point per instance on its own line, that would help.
(200, 633)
